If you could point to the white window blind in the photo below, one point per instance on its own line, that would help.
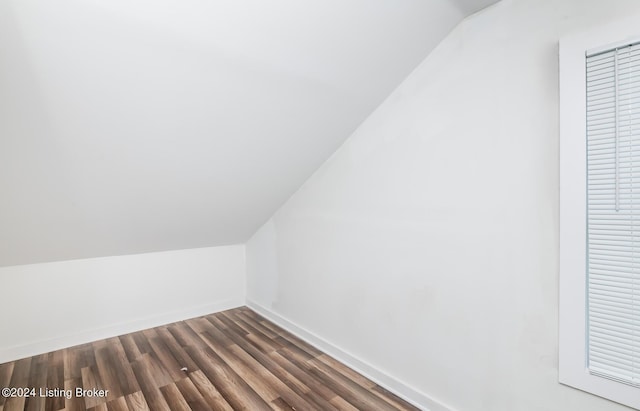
(613, 214)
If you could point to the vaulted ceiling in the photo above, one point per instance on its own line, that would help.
(129, 126)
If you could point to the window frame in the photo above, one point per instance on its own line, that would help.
(573, 209)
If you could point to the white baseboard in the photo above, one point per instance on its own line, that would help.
(402, 390)
(100, 333)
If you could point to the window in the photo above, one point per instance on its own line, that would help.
(600, 212)
(613, 213)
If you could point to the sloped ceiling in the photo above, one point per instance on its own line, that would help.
(129, 126)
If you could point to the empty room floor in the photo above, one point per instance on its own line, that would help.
(232, 360)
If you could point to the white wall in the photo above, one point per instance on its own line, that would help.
(55, 305)
(427, 246)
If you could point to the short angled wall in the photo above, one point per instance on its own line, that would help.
(50, 306)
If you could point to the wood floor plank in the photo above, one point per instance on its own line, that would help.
(186, 337)
(344, 370)
(270, 383)
(176, 350)
(55, 380)
(37, 380)
(174, 398)
(232, 360)
(91, 381)
(214, 330)
(346, 388)
(19, 379)
(214, 319)
(283, 374)
(393, 399)
(350, 392)
(192, 396)
(137, 402)
(262, 386)
(119, 404)
(258, 377)
(87, 356)
(74, 359)
(209, 392)
(281, 405)
(264, 342)
(239, 321)
(203, 326)
(130, 347)
(301, 353)
(289, 394)
(161, 375)
(141, 342)
(165, 356)
(233, 388)
(260, 343)
(123, 370)
(106, 365)
(198, 324)
(6, 370)
(342, 405)
(73, 403)
(318, 393)
(144, 369)
(290, 340)
(100, 407)
(286, 377)
(256, 324)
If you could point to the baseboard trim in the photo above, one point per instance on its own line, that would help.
(404, 391)
(100, 333)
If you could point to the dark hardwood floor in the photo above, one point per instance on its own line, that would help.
(233, 360)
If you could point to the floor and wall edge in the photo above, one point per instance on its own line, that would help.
(403, 390)
(399, 388)
(101, 333)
